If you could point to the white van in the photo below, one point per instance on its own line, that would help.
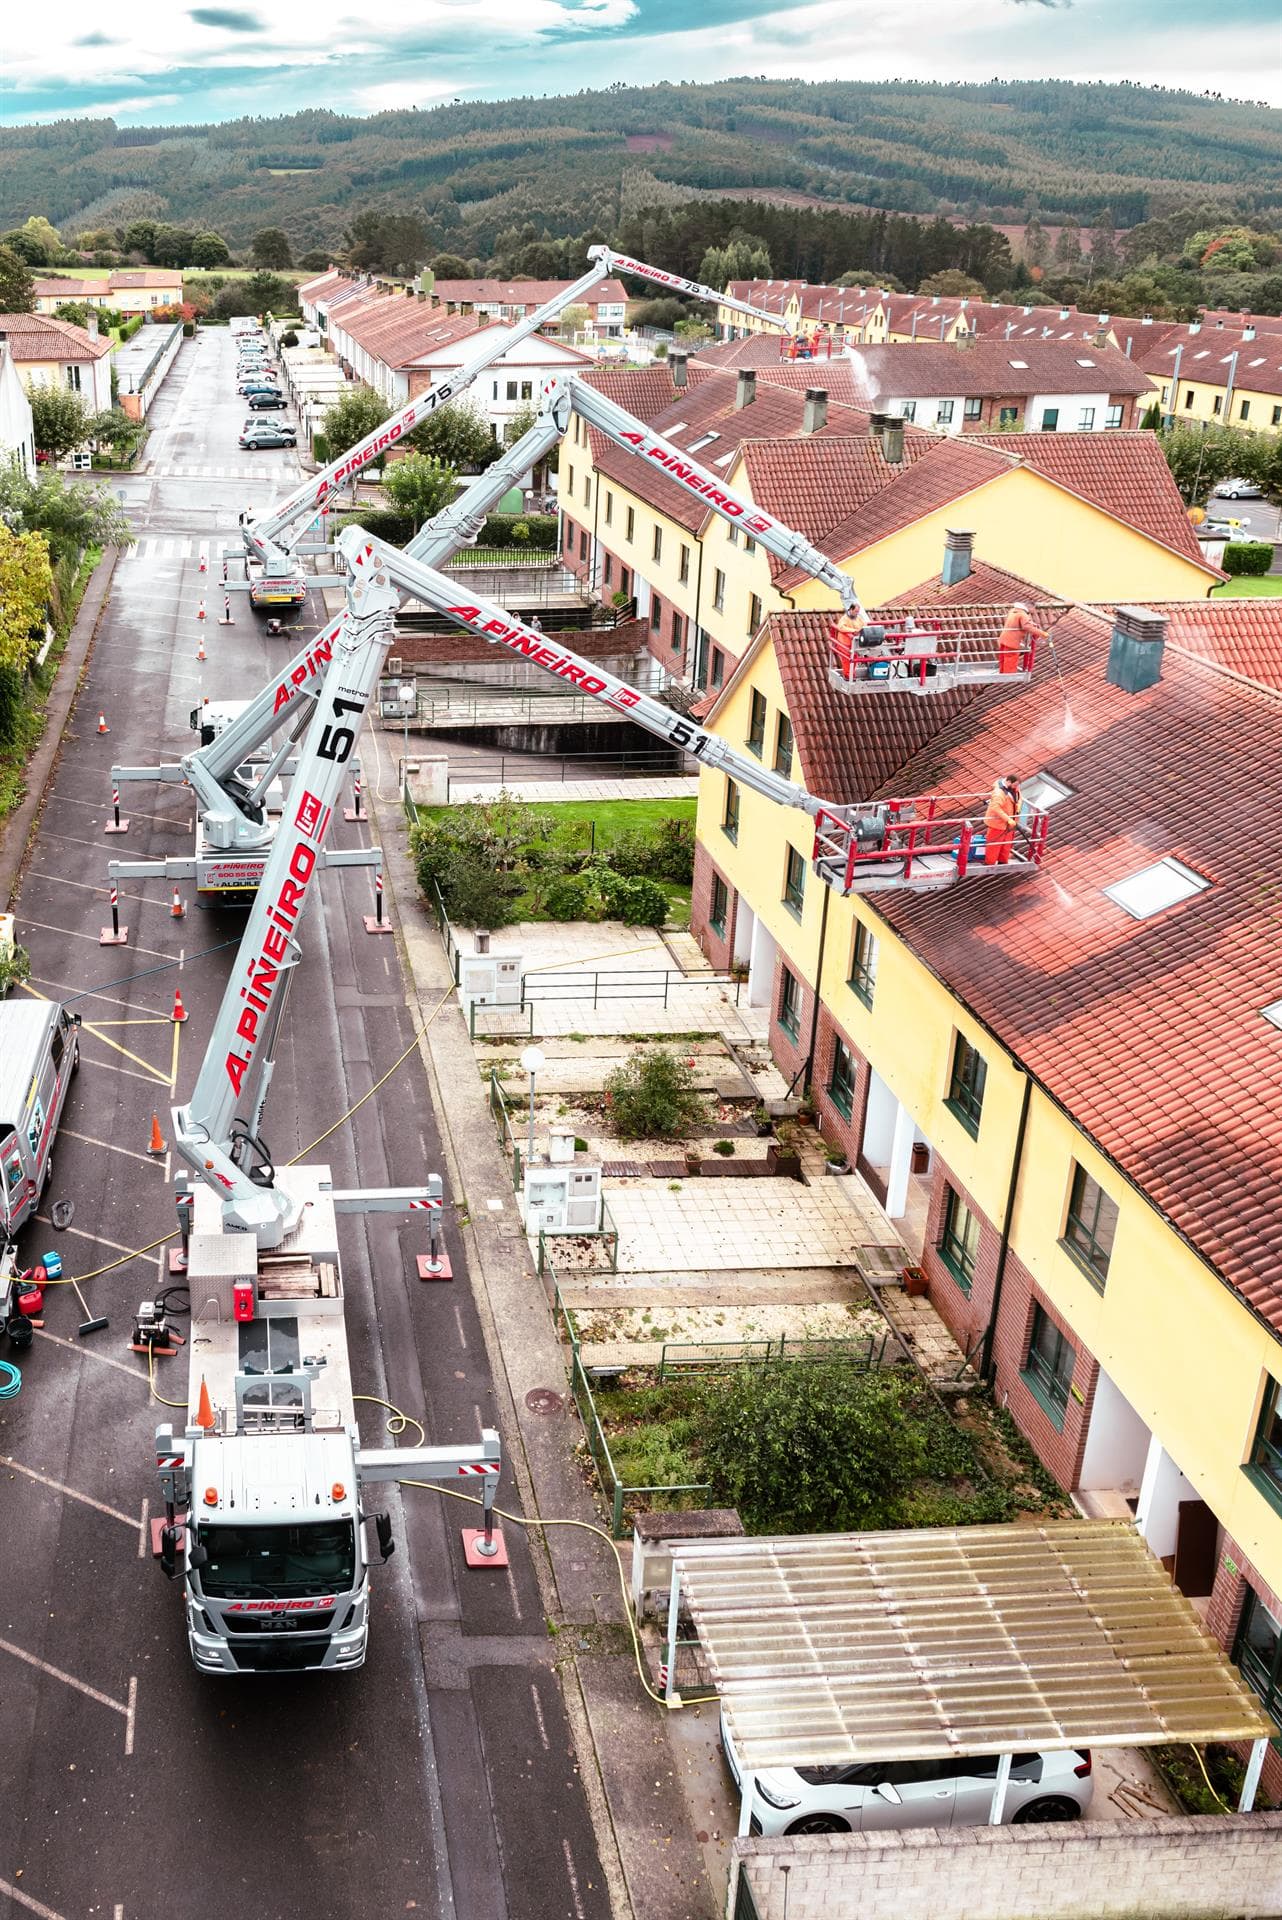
(39, 1052)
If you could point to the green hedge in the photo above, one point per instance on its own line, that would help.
(1248, 557)
(130, 328)
(500, 531)
(395, 528)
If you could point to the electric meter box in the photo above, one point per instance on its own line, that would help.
(562, 1199)
(491, 979)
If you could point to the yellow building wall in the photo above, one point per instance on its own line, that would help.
(664, 574)
(1263, 406)
(1176, 1342)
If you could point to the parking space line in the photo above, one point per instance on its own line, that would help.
(69, 1133)
(34, 1906)
(101, 806)
(90, 1353)
(83, 1233)
(88, 886)
(69, 933)
(126, 1708)
(143, 1530)
(86, 1500)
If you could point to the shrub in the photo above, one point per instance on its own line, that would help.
(1248, 557)
(653, 1097)
(11, 703)
(474, 856)
(674, 852)
(640, 903)
(566, 898)
(811, 1446)
(395, 528)
(724, 1147)
(500, 530)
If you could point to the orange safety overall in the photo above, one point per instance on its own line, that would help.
(1017, 636)
(1000, 818)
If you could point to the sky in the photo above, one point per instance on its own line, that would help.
(144, 65)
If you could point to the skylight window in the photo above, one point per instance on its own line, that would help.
(1021, 364)
(705, 440)
(1155, 888)
(1044, 790)
(1086, 363)
(1273, 1013)
(680, 427)
(725, 459)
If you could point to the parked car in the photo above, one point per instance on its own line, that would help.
(263, 399)
(915, 1793)
(257, 383)
(1238, 490)
(267, 433)
(1217, 529)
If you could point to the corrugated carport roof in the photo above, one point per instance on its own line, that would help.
(834, 1648)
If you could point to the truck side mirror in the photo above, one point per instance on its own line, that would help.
(197, 1556)
(383, 1528)
(168, 1550)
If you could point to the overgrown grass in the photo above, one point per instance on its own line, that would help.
(15, 756)
(1262, 586)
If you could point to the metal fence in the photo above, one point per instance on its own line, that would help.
(527, 556)
(615, 1492)
(604, 1231)
(650, 983)
(637, 763)
(718, 1356)
(503, 1124)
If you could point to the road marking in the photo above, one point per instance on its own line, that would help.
(574, 1879)
(153, 1072)
(86, 1500)
(538, 1715)
(458, 1321)
(126, 1709)
(87, 886)
(100, 807)
(151, 1020)
(173, 1059)
(69, 1133)
(83, 1233)
(36, 1906)
(69, 933)
(91, 1353)
(143, 1530)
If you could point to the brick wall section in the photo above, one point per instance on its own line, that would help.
(789, 1054)
(1234, 1578)
(1167, 1869)
(837, 1130)
(716, 950)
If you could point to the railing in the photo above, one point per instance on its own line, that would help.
(715, 1356)
(635, 764)
(653, 983)
(613, 1490)
(532, 557)
(928, 841)
(921, 654)
(505, 710)
(503, 1124)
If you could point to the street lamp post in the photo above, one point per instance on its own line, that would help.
(533, 1062)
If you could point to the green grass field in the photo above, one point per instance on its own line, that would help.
(1260, 586)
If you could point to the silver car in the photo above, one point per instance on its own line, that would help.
(914, 1793)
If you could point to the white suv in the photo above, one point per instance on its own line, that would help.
(914, 1793)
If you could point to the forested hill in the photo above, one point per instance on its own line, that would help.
(993, 152)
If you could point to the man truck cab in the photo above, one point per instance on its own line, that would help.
(39, 1052)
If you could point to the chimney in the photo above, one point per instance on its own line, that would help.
(877, 425)
(677, 362)
(746, 387)
(420, 295)
(958, 555)
(892, 440)
(815, 416)
(1135, 649)
(91, 323)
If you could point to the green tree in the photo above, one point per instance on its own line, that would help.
(386, 242)
(1104, 260)
(69, 516)
(812, 1446)
(36, 242)
(209, 250)
(1200, 460)
(652, 1096)
(419, 485)
(353, 415)
(457, 435)
(952, 281)
(451, 266)
(172, 246)
(17, 288)
(314, 261)
(1068, 246)
(1036, 247)
(745, 257)
(76, 311)
(140, 237)
(518, 424)
(26, 583)
(60, 420)
(268, 293)
(270, 248)
(573, 320)
(478, 857)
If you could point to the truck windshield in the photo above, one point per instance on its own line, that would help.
(253, 1561)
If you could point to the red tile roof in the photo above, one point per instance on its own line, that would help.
(63, 287)
(1149, 1032)
(526, 294)
(39, 336)
(983, 586)
(990, 368)
(149, 277)
(812, 484)
(1242, 636)
(1209, 355)
(1123, 472)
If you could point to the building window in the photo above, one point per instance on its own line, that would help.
(841, 1080)
(783, 747)
(676, 629)
(754, 612)
(1050, 419)
(1258, 1652)
(1264, 1467)
(790, 1004)
(1188, 396)
(718, 666)
(1090, 1226)
(730, 816)
(658, 543)
(1217, 403)
(73, 379)
(1048, 1371)
(863, 963)
(609, 508)
(1244, 410)
(720, 908)
(944, 412)
(749, 544)
(719, 591)
(908, 410)
(1277, 417)
(1085, 419)
(794, 882)
(973, 409)
(609, 568)
(732, 534)
(587, 490)
(757, 724)
(629, 530)
(511, 389)
(583, 546)
(966, 1084)
(527, 389)
(1008, 417)
(656, 613)
(959, 1240)
(683, 569)
(1113, 418)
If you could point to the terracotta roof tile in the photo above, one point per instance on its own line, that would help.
(813, 484)
(39, 336)
(983, 586)
(993, 368)
(1149, 1032)
(526, 294)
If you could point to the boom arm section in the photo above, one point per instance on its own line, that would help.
(624, 263)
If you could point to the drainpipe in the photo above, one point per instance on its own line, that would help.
(986, 1367)
(1174, 396)
(819, 974)
(1228, 388)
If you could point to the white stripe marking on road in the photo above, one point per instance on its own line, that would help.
(86, 1500)
(93, 1353)
(35, 1906)
(70, 1680)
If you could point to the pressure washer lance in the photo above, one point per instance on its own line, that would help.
(52, 1264)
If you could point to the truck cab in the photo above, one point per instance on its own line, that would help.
(39, 1052)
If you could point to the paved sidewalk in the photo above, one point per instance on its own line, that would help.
(548, 793)
(644, 1831)
(15, 834)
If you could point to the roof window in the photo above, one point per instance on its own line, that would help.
(1021, 364)
(678, 427)
(1044, 791)
(705, 440)
(1273, 1013)
(1155, 888)
(725, 459)
(1086, 363)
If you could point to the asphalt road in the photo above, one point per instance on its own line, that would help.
(441, 1779)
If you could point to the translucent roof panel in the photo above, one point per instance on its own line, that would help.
(934, 1642)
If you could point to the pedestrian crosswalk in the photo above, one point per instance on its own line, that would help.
(157, 548)
(259, 469)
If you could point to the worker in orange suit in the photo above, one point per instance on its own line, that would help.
(1001, 816)
(1017, 636)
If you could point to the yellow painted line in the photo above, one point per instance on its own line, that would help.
(153, 1072)
(173, 1062)
(152, 1020)
(576, 966)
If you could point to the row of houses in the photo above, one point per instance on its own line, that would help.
(130, 291)
(1086, 515)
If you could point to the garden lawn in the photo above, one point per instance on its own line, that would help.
(1258, 586)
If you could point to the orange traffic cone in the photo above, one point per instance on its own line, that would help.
(204, 561)
(201, 612)
(180, 1011)
(157, 1139)
(102, 724)
(200, 650)
(178, 911)
(204, 1410)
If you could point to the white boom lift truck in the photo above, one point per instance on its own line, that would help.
(263, 1486)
